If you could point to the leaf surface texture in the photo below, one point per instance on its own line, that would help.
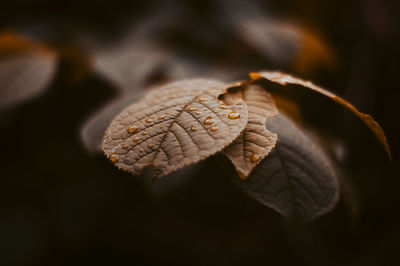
(255, 142)
(176, 125)
(296, 179)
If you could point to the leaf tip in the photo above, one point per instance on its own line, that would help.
(255, 75)
(242, 176)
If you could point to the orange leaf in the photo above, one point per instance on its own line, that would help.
(284, 79)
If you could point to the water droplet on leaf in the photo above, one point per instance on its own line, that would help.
(114, 158)
(224, 107)
(161, 117)
(255, 157)
(233, 115)
(208, 121)
(203, 99)
(132, 129)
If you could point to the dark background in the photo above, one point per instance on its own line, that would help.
(59, 205)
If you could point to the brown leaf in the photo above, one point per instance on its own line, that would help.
(92, 130)
(26, 69)
(283, 79)
(297, 179)
(176, 125)
(255, 142)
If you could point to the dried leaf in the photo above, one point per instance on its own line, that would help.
(296, 179)
(284, 79)
(92, 130)
(176, 125)
(25, 69)
(255, 142)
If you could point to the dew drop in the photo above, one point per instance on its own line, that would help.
(148, 120)
(193, 109)
(132, 129)
(161, 117)
(255, 157)
(203, 99)
(136, 139)
(208, 121)
(114, 158)
(150, 146)
(193, 128)
(141, 151)
(144, 133)
(125, 147)
(224, 107)
(233, 115)
(198, 113)
(215, 128)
